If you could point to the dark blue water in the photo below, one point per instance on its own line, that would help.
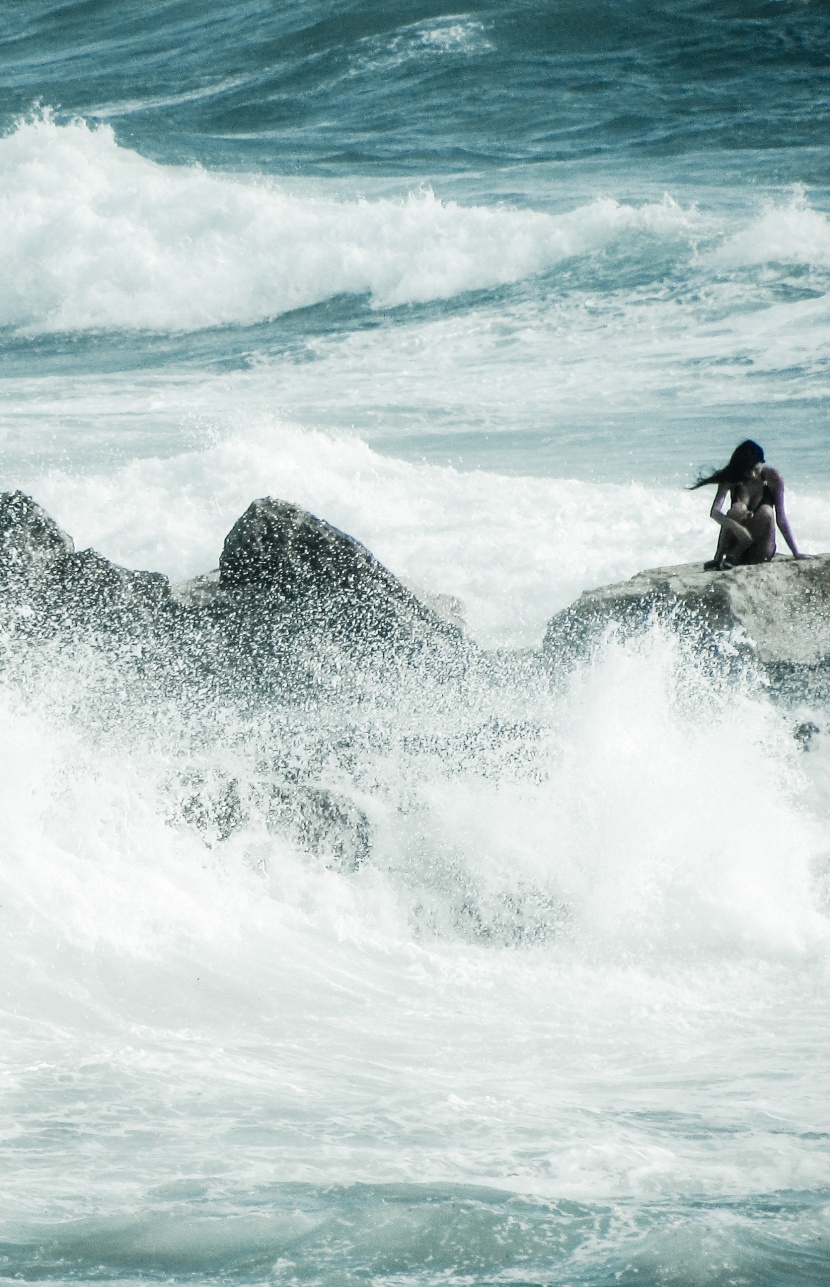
(413, 88)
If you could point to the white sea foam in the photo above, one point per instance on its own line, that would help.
(96, 236)
(434, 39)
(603, 808)
(791, 233)
(178, 986)
(454, 34)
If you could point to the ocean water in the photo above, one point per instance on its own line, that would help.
(485, 287)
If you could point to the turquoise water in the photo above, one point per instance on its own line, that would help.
(485, 288)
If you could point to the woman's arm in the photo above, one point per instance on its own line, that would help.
(742, 534)
(776, 485)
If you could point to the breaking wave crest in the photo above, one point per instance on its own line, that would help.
(96, 236)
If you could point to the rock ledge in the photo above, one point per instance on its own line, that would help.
(782, 608)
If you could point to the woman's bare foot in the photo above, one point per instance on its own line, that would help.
(720, 564)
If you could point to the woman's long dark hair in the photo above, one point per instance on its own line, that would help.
(743, 459)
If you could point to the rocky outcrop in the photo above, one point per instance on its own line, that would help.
(293, 598)
(290, 563)
(31, 543)
(294, 603)
(46, 579)
(298, 602)
(779, 610)
(279, 547)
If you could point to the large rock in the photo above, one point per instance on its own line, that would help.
(282, 548)
(282, 564)
(295, 602)
(278, 547)
(325, 824)
(43, 575)
(781, 609)
(31, 543)
(96, 585)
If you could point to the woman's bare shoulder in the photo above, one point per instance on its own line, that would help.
(772, 476)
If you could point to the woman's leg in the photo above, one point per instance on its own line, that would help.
(729, 546)
(762, 529)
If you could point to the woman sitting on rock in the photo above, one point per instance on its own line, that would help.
(756, 505)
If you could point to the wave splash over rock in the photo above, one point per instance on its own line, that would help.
(302, 695)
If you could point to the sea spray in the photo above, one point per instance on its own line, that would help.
(553, 877)
(483, 785)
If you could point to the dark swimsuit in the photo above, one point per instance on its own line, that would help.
(767, 498)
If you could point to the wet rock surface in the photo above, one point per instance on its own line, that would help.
(778, 610)
(287, 579)
(48, 587)
(31, 543)
(281, 547)
(294, 601)
(301, 562)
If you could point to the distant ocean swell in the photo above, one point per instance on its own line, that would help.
(337, 88)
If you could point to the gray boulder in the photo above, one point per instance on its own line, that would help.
(41, 572)
(323, 823)
(95, 584)
(283, 570)
(284, 550)
(48, 584)
(781, 609)
(31, 543)
(279, 547)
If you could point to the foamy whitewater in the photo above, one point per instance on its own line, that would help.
(485, 289)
